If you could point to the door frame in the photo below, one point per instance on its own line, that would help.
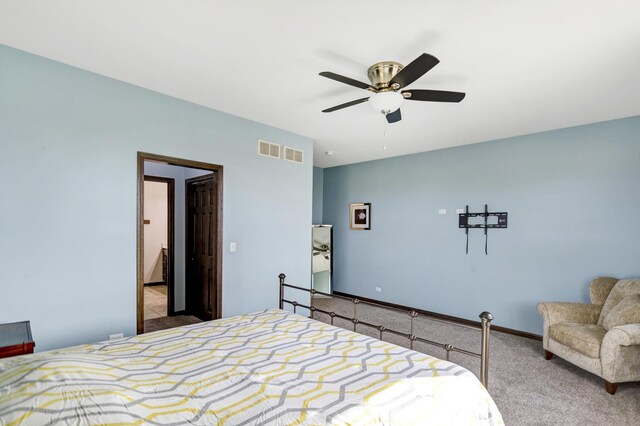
(145, 156)
(171, 184)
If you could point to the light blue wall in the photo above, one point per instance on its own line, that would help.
(572, 195)
(318, 176)
(68, 144)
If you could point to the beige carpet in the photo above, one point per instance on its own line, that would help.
(527, 389)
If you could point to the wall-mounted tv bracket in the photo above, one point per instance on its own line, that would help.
(463, 222)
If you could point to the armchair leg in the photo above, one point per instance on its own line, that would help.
(611, 387)
(547, 355)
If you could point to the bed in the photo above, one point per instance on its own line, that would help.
(268, 367)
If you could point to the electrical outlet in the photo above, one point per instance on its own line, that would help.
(378, 289)
(116, 336)
(232, 247)
(458, 211)
(442, 211)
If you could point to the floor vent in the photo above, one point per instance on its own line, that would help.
(295, 155)
(268, 149)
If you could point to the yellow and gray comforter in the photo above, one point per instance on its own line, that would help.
(270, 367)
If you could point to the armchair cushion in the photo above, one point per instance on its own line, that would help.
(625, 312)
(622, 289)
(583, 338)
(600, 289)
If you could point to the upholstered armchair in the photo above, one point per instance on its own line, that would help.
(602, 337)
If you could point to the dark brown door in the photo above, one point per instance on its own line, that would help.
(201, 246)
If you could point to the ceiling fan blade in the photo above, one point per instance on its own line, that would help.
(434, 95)
(416, 69)
(345, 105)
(394, 117)
(345, 80)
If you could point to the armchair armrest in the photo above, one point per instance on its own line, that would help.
(620, 354)
(558, 312)
(623, 335)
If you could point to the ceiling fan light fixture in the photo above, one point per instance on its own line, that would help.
(389, 81)
(386, 102)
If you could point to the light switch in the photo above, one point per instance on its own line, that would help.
(232, 246)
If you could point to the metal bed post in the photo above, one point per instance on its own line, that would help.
(412, 315)
(486, 319)
(355, 314)
(282, 277)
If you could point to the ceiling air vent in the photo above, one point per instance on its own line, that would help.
(268, 149)
(291, 154)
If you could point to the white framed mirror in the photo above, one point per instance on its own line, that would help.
(322, 258)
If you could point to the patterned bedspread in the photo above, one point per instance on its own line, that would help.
(270, 367)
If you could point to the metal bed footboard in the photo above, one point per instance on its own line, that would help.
(484, 328)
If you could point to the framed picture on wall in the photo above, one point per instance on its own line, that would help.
(360, 216)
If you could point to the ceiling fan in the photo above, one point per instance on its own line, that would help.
(387, 78)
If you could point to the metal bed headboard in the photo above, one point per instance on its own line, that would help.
(484, 328)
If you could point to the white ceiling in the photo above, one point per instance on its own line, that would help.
(526, 66)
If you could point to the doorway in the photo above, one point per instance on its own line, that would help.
(158, 213)
(194, 251)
